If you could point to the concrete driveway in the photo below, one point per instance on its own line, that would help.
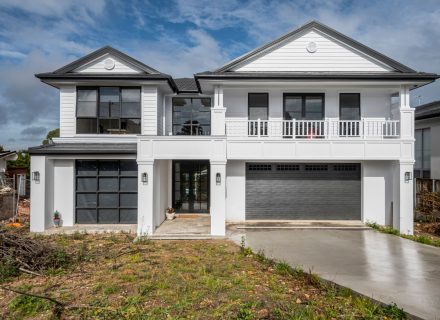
(385, 267)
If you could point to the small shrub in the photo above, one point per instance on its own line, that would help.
(283, 268)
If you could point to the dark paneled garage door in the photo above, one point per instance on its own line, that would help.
(303, 191)
(106, 191)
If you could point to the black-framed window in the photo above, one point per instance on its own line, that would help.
(303, 106)
(258, 106)
(350, 106)
(191, 116)
(106, 191)
(107, 110)
(422, 167)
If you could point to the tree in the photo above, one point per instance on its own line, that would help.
(55, 133)
(2, 148)
(23, 160)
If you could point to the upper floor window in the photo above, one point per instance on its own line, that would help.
(258, 106)
(303, 106)
(422, 167)
(350, 106)
(108, 110)
(191, 116)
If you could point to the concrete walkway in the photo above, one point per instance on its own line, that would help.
(385, 267)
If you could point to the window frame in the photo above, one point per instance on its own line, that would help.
(422, 169)
(303, 96)
(359, 103)
(191, 125)
(267, 103)
(97, 118)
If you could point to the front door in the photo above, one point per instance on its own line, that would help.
(191, 186)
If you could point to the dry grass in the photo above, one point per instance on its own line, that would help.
(115, 278)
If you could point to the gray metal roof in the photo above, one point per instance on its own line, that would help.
(428, 110)
(85, 148)
(327, 30)
(186, 85)
(6, 153)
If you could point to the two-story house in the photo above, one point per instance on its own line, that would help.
(312, 126)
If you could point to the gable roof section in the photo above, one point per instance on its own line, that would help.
(325, 29)
(67, 72)
(100, 52)
(427, 111)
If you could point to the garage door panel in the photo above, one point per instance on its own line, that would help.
(106, 191)
(328, 195)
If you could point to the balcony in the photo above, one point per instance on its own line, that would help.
(314, 129)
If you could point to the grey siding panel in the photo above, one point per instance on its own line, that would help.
(304, 195)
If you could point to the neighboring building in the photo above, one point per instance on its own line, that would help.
(427, 145)
(6, 156)
(303, 127)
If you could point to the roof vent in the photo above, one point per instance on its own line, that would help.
(109, 64)
(311, 47)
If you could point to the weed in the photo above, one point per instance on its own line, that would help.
(26, 306)
(245, 311)
(78, 235)
(395, 312)
(283, 268)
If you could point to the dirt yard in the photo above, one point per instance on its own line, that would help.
(111, 277)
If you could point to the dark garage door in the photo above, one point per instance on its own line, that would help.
(106, 191)
(303, 191)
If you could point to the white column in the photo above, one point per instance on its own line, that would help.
(218, 198)
(403, 215)
(64, 190)
(406, 114)
(145, 198)
(218, 113)
(38, 195)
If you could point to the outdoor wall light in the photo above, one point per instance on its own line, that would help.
(36, 176)
(408, 176)
(218, 178)
(145, 177)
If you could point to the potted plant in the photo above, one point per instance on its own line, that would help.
(56, 219)
(170, 213)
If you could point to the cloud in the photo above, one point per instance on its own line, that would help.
(34, 131)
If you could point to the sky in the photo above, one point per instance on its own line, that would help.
(183, 37)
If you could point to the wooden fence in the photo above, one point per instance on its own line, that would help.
(425, 185)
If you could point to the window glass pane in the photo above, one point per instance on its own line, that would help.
(86, 200)
(109, 126)
(179, 103)
(108, 168)
(349, 106)
(109, 105)
(86, 167)
(87, 95)
(131, 110)
(201, 117)
(85, 126)
(109, 94)
(128, 183)
(292, 107)
(129, 168)
(108, 184)
(191, 116)
(418, 148)
(86, 109)
(86, 184)
(128, 199)
(86, 216)
(258, 100)
(131, 95)
(314, 108)
(130, 126)
(257, 113)
(426, 148)
(108, 216)
(128, 215)
(206, 102)
(108, 200)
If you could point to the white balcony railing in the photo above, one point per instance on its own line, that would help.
(317, 129)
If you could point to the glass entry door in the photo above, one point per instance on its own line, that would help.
(191, 186)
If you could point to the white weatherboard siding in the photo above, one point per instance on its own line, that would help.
(160, 114)
(149, 110)
(330, 55)
(67, 111)
(98, 66)
(375, 102)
